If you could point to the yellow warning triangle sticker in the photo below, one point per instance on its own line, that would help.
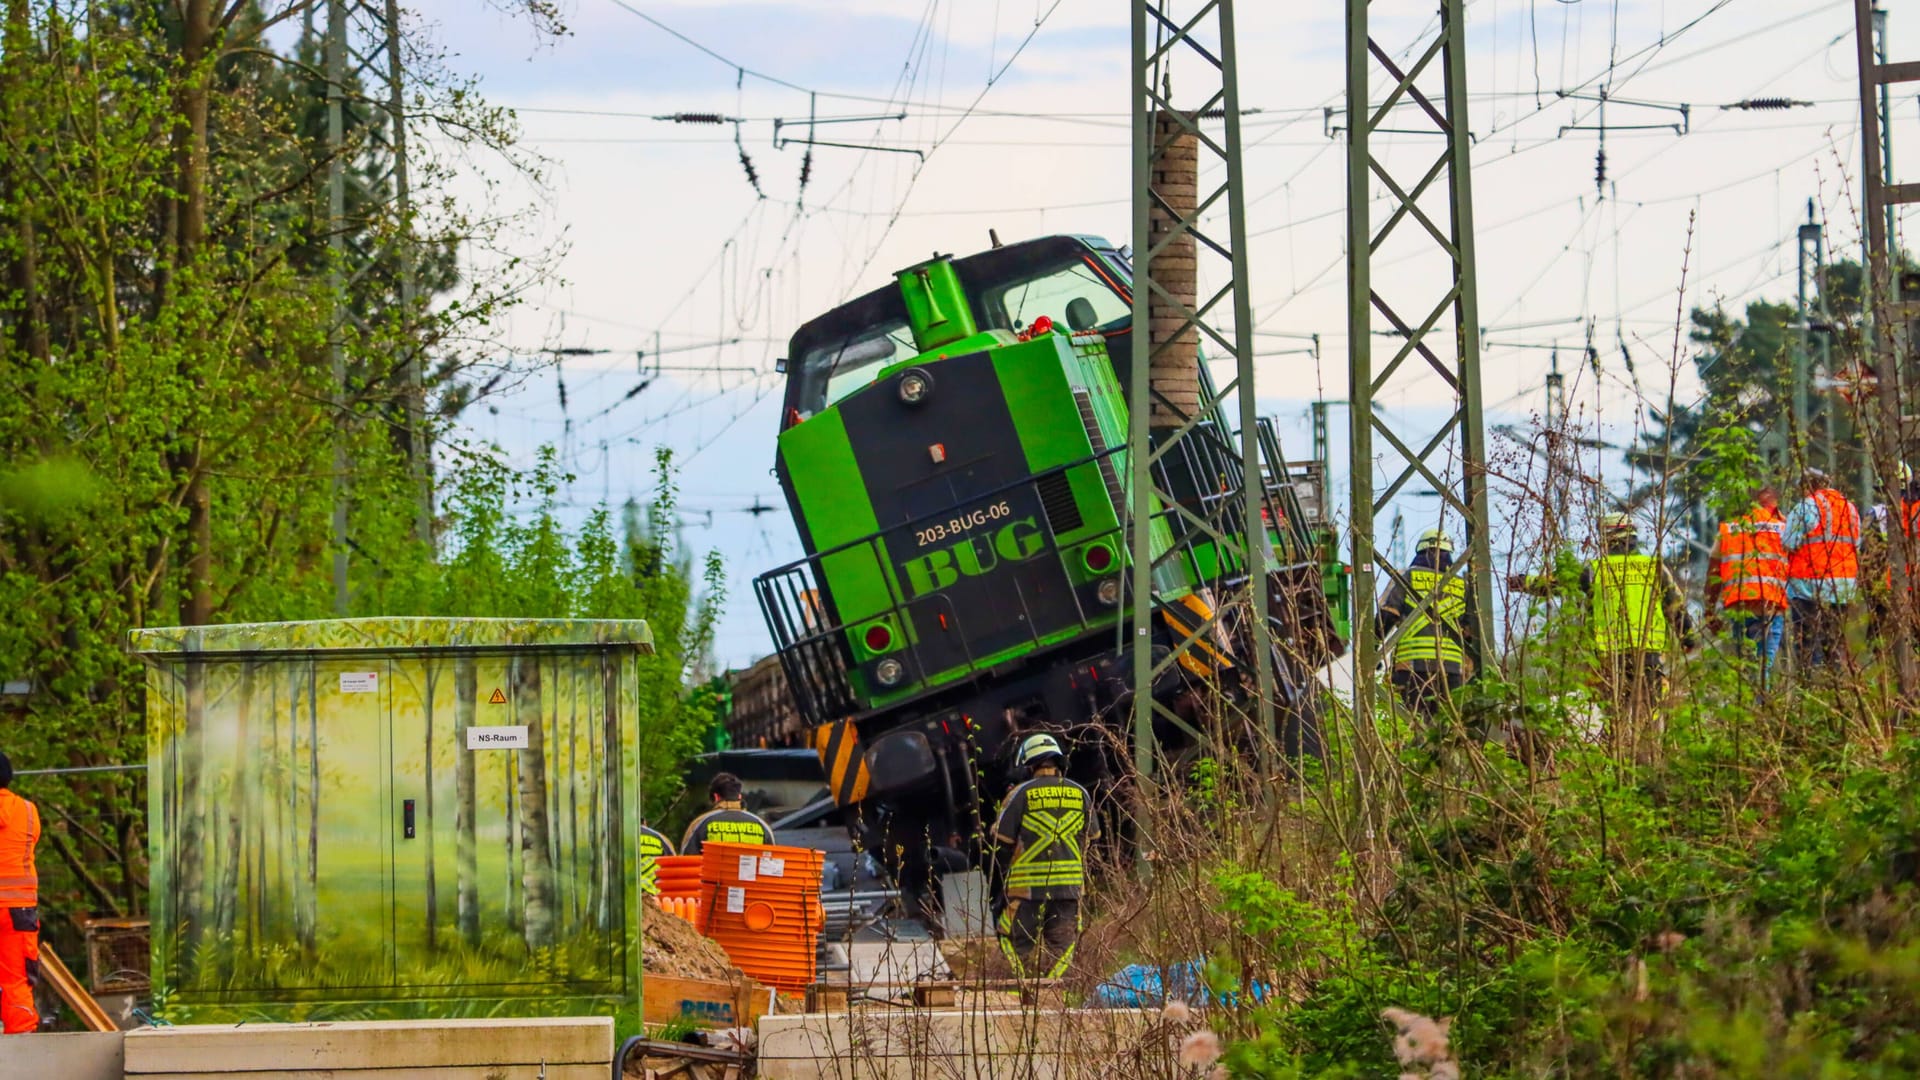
(498, 698)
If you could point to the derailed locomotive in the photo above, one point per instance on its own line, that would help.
(953, 451)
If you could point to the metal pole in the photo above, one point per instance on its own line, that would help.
(1808, 241)
(1825, 343)
(336, 69)
(1889, 287)
(1252, 489)
(1466, 307)
(1886, 124)
(1360, 402)
(1140, 516)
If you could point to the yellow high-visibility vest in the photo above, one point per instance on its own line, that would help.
(1626, 604)
(1434, 634)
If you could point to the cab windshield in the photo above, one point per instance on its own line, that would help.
(1059, 277)
(840, 367)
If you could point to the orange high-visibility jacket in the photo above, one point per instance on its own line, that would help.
(1909, 525)
(1831, 551)
(1753, 560)
(19, 832)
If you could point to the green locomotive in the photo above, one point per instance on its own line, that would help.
(953, 450)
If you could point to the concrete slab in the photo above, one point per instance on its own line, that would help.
(895, 963)
(82, 1055)
(957, 1044)
(440, 1073)
(441, 1047)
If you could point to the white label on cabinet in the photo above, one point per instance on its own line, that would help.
(359, 682)
(746, 868)
(509, 737)
(772, 867)
(736, 900)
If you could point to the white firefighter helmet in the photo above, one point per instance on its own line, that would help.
(1038, 747)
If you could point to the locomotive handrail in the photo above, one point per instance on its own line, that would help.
(811, 633)
(799, 645)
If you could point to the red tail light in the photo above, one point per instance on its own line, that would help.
(878, 637)
(1098, 558)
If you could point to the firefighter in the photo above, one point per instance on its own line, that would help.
(1750, 571)
(1430, 659)
(728, 822)
(1047, 824)
(1636, 607)
(19, 908)
(652, 847)
(1822, 539)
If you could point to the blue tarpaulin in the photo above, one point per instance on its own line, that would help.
(1149, 986)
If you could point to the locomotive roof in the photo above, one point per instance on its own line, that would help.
(884, 302)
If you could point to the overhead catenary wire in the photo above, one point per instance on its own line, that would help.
(910, 73)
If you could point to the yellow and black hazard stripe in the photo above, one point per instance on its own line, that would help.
(844, 761)
(1203, 659)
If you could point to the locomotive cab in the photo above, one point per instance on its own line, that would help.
(954, 452)
(1074, 281)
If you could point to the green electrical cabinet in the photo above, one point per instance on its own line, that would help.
(394, 818)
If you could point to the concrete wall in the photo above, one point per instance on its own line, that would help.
(962, 1044)
(555, 1049)
(81, 1055)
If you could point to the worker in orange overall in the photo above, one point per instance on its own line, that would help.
(1822, 539)
(1750, 570)
(1886, 538)
(19, 910)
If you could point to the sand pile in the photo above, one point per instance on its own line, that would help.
(673, 947)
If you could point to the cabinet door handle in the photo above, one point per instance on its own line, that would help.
(406, 818)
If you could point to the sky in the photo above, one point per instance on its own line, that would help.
(1018, 113)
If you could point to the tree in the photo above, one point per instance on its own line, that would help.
(168, 424)
(1700, 458)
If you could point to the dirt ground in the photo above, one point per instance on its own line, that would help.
(673, 947)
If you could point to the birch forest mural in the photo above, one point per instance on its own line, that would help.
(290, 785)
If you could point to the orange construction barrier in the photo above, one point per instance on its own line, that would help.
(678, 875)
(762, 904)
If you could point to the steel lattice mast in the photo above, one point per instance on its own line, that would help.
(1167, 225)
(1887, 312)
(1451, 456)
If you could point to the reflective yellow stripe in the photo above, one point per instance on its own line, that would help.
(1626, 604)
(1434, 634)
(1030, 869)
(651, 848)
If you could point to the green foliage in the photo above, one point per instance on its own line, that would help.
(1727, 459)
(530, 566)
(1744, 904)
(168, 333)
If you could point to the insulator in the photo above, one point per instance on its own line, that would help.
(753, 175)
(1767, 104)
(1600, 170)
(695, 118)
